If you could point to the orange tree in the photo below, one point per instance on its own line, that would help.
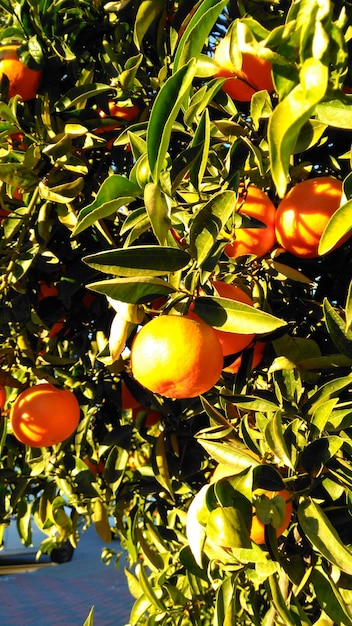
(108, 222)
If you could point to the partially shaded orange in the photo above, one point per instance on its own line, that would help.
(254, 75)
(256, 241)
(43, 415)
(304, 212)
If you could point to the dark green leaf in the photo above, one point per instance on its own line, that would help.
(144, 260)
(135, 290)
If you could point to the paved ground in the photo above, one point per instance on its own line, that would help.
(62, 595)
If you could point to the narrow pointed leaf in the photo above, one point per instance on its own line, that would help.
(115, 191)
(208, 223)
(197, 30)
(164, 112)
(158, 211)
(338, 226)
(135, 290)
(274, 437)
(337, 329)
(143, 260)
(323, 536)
(235, 317)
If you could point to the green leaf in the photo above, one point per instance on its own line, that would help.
(114, 192)
(274, 437)
(197, 516)
(150, 591)
(135, 290)
(144, 260)
(289, 117)
(62, 193)
(147, 13)
(158, 210)
(348, 309)
(336, 326)
(226, 526)
(17, 175)
(163, 114)
(252, 403)
(78, 95)
(90, 618)
(337, 227)
(197, 31)
(201, 139)
(323, 536)
(327, 391)
(279, 601)
(209, 221)
(229, 453)
(235, 317)
(329, 597)
(335, 112)
(101, 520)
(160, 464)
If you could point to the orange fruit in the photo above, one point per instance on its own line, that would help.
(176, 356)
(258, 241)
(43, 415)
(128, 401)
(23, 80)
(46, 290)
(303, 214)
(122, 113)
(2, 397)
(95, 468)
(254, 75)
(257, 531)
(258, 352)
(150, 418)
(231, 343)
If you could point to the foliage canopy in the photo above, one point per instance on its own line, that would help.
(107, 221)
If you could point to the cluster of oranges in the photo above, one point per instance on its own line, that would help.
(296, 225)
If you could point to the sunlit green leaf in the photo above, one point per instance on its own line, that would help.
(234, 316)
(289, 117)
(163, 114)
(322, 535)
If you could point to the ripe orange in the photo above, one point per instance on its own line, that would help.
(258, 352)
(255, 73)
(257, 532)
(128, 401)
(43, 415)
(232, 342)
(2, 397)
(304, 212)
(23, 80)
(259, 241)
(122, 113)
(95, 468)
(150, 418)
(176, 356)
